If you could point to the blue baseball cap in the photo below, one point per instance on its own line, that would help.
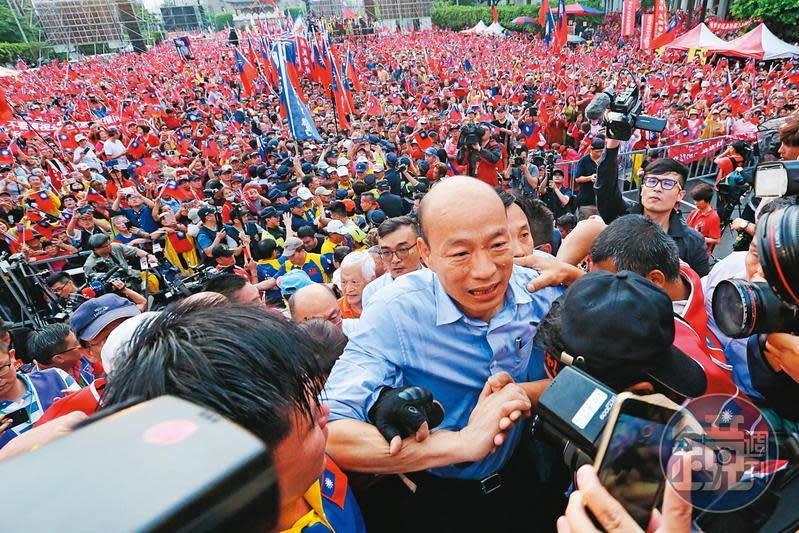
(293, 281)
(295, 201)
(94, 315)
(274, 194)
(377, 217)
(341, 194)
(360, 167)
(431, 151)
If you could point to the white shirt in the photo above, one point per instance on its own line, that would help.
(375, 285)
(114, 149)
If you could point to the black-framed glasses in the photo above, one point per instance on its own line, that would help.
(666, 183)
(401, 253)
(78, 347)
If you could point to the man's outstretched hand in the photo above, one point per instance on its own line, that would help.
(405, 411)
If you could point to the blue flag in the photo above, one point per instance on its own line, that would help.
(297, 114)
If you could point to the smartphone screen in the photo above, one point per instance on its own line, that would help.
(631, 468)
(20, 416)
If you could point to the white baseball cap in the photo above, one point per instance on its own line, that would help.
(342, 162)
(304, 193)
(342, 171)
(336, 226)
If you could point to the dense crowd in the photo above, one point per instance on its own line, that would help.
(387, 263)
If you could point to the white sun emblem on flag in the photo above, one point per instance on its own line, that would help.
(726, 416)
(328, 483)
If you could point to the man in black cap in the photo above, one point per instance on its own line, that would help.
(271, 223)
(299, 215)
(558, 198)
(279, 199)
(211, 233)
(391, 204)
(590, 327)
(585, 173)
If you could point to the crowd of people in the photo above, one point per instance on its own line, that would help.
(387, 300)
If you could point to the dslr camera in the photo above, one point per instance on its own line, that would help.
(743, 308)
(470, 134)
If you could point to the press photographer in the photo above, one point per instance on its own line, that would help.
(69, 296)
(523, 175)
(480, 153)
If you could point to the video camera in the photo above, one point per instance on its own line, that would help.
(544, 158)
(470, 134)
(743, 308)
(621, 113)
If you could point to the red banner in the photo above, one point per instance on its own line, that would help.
(660, 18)
(628, 17)
(730, 25)
(646, 31)
(688, 153)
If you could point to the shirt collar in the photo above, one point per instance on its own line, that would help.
(447, 312)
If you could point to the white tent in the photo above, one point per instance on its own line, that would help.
(480, 27)
(699, 37)
(759, 43)
(495, 29)
(8, 72)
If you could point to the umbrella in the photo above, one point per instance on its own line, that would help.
(523, 20)
(575, 39)
(578, 10)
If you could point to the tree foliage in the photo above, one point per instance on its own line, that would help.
(460, 17)
(9, 52)
(223, 19)
(781, 16)
(9, 31)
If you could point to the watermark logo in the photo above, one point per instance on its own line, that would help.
(732, 450)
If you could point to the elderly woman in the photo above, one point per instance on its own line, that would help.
(357, 269)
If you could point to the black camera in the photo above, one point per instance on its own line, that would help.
(743, 308)
(471, 134)
(624, 116)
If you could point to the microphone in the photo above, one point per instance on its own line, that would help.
(88, 292)
(598, 106)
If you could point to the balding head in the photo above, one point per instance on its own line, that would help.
(466, 242)
(315, 301)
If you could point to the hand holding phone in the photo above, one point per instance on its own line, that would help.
(20, 416)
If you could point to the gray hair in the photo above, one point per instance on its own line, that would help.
(362, 259)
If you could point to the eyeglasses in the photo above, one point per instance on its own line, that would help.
(6, 366)
(78, 347)
(57, 289)
(401, 253)
(666, 183)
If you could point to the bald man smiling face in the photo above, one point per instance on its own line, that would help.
(466, 242)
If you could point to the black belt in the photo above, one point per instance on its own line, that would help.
(484, 486)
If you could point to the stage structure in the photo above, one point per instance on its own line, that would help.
(185, 17)
(67, 24)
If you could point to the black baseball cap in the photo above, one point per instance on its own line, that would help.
(220, 250)
(205, 211)
(622, 326)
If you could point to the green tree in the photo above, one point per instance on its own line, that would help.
(9, 31)
(781, 16)
(223, 19)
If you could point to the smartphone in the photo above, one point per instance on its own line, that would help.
(634, 447)
(20, 416)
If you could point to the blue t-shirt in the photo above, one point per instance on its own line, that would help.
(142, 219)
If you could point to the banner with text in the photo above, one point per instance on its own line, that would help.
(646, 31)
(628, 17)
(49, 128)
(730, 25)
(688, 153)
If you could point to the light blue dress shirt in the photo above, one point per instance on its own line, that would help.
(412, 333)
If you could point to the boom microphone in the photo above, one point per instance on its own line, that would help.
(598, 106)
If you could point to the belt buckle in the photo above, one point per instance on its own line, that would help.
(491, 483)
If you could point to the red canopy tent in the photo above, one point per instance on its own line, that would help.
(577, 10)
(699, 37)
(759, 43)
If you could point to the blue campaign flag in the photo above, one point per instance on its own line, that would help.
(297, 114)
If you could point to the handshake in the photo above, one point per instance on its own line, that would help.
(412, 410)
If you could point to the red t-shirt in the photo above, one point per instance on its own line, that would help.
(708, 224)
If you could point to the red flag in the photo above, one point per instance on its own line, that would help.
(542, 13)
(94, 196)
(66, 141)
(246, 71)
(374, 108)
(172, 189)
(211, 149)
(6, 157)
(6, 113)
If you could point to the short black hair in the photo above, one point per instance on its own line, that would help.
(540, 218)
(57, 277)
(264, 249)
(702, 191)
(637, 244)
(306, 231)
(665, 165)
(567, 221)
(245, 363)
(226, 284)
(44, 343)
(390, 225)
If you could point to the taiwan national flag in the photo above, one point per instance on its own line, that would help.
(6, 157)
(44, 200)
(296, 112)
(67, 142)
(373, 108)
(246, 71)
(145, 166)
(172, 189)
(667, 36)
(94, 196)
(6, 113)
(210, 149)
(137, 148)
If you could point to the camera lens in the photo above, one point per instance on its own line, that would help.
(778, 246)
(743, 308)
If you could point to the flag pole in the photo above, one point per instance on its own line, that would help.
(335, 112)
